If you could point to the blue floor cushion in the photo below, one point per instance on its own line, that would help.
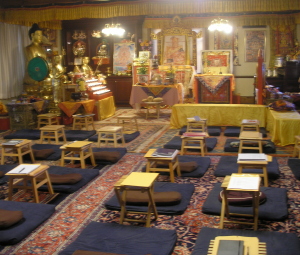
(175, 143)
(277, 243)
(232, 145)
(5, 169)
(33, 215)
(123, 239)
(228, 165)
(186, 191)
(78, 135)
(294, 164)
(31, 134)
(87, 176)
(121, 151)
(127, 137)
(275, 208)
(235, 131)
(203, 164)
(211, 130)
(54, 156)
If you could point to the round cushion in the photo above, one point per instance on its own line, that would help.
(241, 198)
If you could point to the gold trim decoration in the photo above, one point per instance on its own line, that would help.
(28, 16)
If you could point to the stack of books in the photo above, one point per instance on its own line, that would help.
(244, 182)
(165, 153)
(252, 157)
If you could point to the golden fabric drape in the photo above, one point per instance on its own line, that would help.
(53, 14)
(106, 108)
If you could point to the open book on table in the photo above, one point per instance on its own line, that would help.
(24, 169)
(195, 118)
(168, 153)
(252, 157)
(247, 121)
(244, 182)
(193, 134)
(12, 142)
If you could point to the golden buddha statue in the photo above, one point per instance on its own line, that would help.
(86, 69)
(33, 50)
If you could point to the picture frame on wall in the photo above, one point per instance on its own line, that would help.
(175, 50)
(254, 41)
(124, 54)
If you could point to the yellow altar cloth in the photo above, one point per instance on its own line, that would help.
(217, 114)
(106, 108)
(283, 126)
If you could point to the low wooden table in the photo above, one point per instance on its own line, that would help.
(143, 182)
(53, 132)
(131, 120)
(247, 137)
(196, 126)
(296, 152)
(47, 119)
(110, 134)
(152, 104)
(79, 150)
(252, 246)
(17, 150)
(225, 206)
(250, 125)
(37, 178)
(171, 161)
(259, 164)
(190, 142)
(83, 120)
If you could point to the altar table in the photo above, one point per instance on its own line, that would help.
(69, 108)
(171, 94)
(283, 126)
(217, 114)
(214, 88)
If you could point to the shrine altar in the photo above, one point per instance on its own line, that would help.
(171, 94)
(214, 88)
(217, 114)
(283, 126)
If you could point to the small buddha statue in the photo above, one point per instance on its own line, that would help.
(102, 53)
(86, 69)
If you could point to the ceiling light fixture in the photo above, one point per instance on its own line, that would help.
(113, 29)
(221, 25)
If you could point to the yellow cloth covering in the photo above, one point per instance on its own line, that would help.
(69, 108)
(283, 126)
(106, 108)
(217, 114)
(3, 109)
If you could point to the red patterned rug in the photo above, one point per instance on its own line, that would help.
(86, 205)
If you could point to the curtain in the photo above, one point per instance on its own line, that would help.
(13, 40)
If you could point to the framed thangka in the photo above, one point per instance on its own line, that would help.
(174, 50)
(216, 62)
(223, 41)
(254, 41)
(123, 56)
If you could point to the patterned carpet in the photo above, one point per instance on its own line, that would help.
(87, 204)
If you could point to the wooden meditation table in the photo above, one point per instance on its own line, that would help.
(11, 149)
(247, 137)
(37, 178)
(172, 162)
(139, 182)
(256, 164)
(50, 132)
(78, 150)
(194, 142)
(255, 198)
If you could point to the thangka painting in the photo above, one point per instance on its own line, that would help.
(175, 50)
(124, 54)
(223, 41)
(254, 41)
(216, 61)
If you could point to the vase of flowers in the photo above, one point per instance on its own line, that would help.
(145, 45)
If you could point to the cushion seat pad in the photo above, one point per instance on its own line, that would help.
(186, 191)
(123, 239)
(277, 243)
(228, 165)
(33, 214)
(275, 207)
(175, 143)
